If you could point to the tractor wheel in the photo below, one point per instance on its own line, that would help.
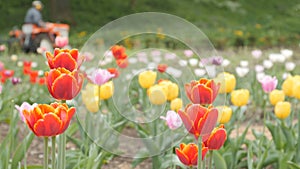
(44, 42)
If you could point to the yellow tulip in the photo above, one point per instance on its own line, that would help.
(287, 86)
(147, 78)
(296, 88)
(157, 95)
(224, 114)
(172, 88)
(227, 82)
(106, 90)
(282, 110)
(240, 97)
(90, 97)
(276, 96)
(176, 104)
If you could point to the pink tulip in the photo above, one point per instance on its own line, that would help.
(2, 48)
(100, 76)
(268, 83)
(61, 41)
(0, 88)
(188, 53)
(256, 53)
(25, 106)
(173, 120)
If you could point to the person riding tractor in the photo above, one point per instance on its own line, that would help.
(33, 15)
(37, 35)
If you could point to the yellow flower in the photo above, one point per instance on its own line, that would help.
(240, 97)
(90, 97)
(172, 89)
(287, 86)
(296, 87)
(225, 113)
(291, 86)
(176, 104)
(227, 82)
(276, 96)
(282, 110)
(157, 94)
(238, 33)
(106, 90)
(147, 78)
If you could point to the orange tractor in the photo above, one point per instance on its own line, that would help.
(32, 37)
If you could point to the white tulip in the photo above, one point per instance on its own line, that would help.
(260, 76)
(276, 57)
(268, 64)
(193, 61)
(242, 71)
(244, 63)
(200, 72)
(182, 63)
(287, 53)
(290, 66)
(225, 63)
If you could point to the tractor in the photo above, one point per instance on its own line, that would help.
(31, 37)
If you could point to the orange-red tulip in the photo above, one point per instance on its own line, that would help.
(26, 67)
(63, 84)
(188, 154)
(199, 120)
(114, 71)
(33, 74)
(203, 91)
(118, 52)
(49, 120)
(162, 68)
(122, 63)
(216, 138)
(63, 58)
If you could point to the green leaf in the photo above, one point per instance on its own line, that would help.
(250, 156)
(34, 167)
(20, 151)
(293, 165)
(219, 161)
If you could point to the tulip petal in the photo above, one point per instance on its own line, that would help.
(182, 157)
(201, 94)
(49, 126)
(65, 87)
(209, 123)
(64, 60)
(217, 139)
(187, 122)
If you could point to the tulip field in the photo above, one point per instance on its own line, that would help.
(161, 104)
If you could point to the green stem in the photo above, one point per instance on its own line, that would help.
(265, 113)
(199, 152)
(53, 141)
(238, 115)
(46, 153)
(62, 149)
(210, 159)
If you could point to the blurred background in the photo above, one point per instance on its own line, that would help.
(227, 23)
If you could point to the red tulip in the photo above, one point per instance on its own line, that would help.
(26, 67)
(118, 52)
(162, 68)
(48, 120)
(33, 76)
(63, 84)
(114, 71)
(203, 91)
(122, 63)
(216, 138)
(199, 120)
(188, 154)
(64, 58)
